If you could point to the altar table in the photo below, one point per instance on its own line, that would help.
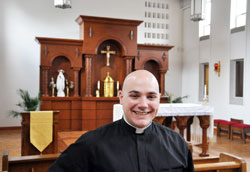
(184, 114)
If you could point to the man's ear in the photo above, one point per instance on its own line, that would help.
(120, 94)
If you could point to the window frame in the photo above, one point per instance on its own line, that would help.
(233, 98)
(206, 23)
(234, 15)
(202, 81)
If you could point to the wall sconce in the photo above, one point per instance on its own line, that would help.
(62, 4)
(217, 68)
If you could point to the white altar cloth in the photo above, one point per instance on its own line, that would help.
(179, 109)
(184, 109)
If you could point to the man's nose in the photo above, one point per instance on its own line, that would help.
(143, 102)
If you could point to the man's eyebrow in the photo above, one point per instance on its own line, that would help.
(133, 91)
(152, 92)
(137, 92)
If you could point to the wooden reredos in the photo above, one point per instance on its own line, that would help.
(85, 63)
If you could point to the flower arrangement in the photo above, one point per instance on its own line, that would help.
(176, 100)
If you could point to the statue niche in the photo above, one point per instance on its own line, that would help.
(60, 63)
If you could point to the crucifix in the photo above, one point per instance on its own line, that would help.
(107, 52)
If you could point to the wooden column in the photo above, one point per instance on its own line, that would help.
(88, 69)
(129, 64)
(44, 79)
(182, 123)
(76, 81)
(204, 123)
(189, 123)
(162, 82)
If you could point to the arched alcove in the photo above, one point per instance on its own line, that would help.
(116, 63)
(60, 62)
(153, 67)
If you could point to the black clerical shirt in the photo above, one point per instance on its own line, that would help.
(117, 148)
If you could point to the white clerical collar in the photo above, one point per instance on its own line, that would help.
(137, 130)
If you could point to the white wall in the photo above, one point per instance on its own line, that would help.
(173, 82)
(223, 46)
(23, 20)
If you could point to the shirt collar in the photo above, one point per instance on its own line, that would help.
(137, 130)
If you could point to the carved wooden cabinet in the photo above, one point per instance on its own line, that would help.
(85, 62)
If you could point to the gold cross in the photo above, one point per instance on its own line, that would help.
(108, 52)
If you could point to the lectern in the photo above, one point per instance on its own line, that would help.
(26, 147)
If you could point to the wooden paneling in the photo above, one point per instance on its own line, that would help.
(76, 105)
(106, 105)
(65, 124)
(89, 114)
(76, 114)
(88, 124)
(104, 114)
(101, 122)
(59, 105)
(88, 105)
(76, 124)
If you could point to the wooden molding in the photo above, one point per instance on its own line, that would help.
(10, 128)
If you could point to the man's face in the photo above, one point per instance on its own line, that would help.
(140, 99)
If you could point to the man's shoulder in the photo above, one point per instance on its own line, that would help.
(99, 132)
(166, 131)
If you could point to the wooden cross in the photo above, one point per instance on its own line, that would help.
(108, 52)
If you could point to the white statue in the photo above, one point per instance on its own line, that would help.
(60, 84)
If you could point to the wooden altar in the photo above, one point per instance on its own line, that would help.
(105, 45)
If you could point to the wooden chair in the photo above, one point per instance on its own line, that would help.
(241, 129)
(32, 163)
(217, 124)
(225, 126)
(224, 163)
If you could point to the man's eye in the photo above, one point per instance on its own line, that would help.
(133, 95)
(151, 97)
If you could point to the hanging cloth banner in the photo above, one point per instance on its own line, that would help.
(41, 123)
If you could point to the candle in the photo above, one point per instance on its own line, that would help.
(117, 85)
(205, 90)
(98, 85)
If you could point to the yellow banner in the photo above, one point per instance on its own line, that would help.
(41, 123)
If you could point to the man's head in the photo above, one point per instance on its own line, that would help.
(140, 98)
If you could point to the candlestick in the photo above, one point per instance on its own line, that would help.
(117, 85)
(205, 95)
(205, 90)
(97, 93)
(98, 85)
(67, 91)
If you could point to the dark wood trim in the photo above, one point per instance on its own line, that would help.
(59, 41)
(154, 47)
(106, 20)
(10, 128)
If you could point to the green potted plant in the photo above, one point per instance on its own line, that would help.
(27, 104)
(176, 100)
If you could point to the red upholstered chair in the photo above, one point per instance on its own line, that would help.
(241, 129)
(225, 126)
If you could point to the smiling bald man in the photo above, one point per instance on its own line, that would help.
(133, 144)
